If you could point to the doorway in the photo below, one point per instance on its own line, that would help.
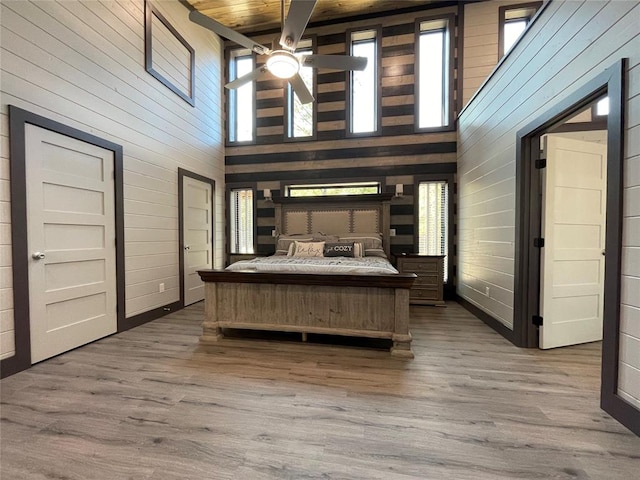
(196, 219)
(68, 246)
(527, 271)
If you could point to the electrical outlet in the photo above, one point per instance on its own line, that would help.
(273, 233)
(393, 232)
(486, 291)
(161, 287)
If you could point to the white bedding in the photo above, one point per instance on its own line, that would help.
(284, 264)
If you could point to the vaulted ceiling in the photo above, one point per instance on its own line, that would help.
(258, 15)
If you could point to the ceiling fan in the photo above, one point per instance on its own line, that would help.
(283, 62)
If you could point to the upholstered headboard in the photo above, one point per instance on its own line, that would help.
(330, 215)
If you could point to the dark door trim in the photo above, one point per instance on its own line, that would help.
(611, 82)
(18, 118)
(181, 174)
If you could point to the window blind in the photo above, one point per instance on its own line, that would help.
(242, 227)
(433, 228)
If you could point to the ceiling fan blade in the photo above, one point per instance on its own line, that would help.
(226, 32)
(337, 62)
(297, 18)
(298, 85)
(253, 75)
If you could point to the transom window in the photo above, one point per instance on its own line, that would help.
(318, 190)
(363, 84)
(433, 220)
(433, 73)
(300, 116)
(241, 100)
(241, 224)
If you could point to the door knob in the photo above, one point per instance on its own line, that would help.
(37, 255)
(187, 247)
(603, 252)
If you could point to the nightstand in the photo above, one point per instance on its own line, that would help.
(427, 288)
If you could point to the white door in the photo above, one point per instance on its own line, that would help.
(197, 229)
(573, 227)
(71, 239)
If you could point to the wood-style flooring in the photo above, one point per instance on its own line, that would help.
(151, 403)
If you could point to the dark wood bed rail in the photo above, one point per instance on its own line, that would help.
(341, 280)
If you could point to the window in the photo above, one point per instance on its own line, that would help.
(241, 225)
(317, 190)
(602, 107)
(433, 47)
(241, 100)
(433, 220)
(364, 106)
(513, 21)
(300, 116)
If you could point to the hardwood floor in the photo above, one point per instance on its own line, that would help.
(152, 403)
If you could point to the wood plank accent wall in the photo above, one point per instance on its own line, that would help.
(569, 41)
(82, 64)
(394, 157)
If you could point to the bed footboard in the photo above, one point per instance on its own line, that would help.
(375, 306)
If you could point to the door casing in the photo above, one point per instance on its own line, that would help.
(181, 174)
(610, 82)
(18, 118)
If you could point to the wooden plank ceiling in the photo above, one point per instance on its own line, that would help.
(258, 15)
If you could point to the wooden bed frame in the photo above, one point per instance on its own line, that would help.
(374, 306)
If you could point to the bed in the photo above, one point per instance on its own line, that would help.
(360, 297)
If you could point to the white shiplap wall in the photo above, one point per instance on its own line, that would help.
(81, 63)
(480, 54)
(570, 42)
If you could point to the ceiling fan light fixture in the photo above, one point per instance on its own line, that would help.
(283, 64)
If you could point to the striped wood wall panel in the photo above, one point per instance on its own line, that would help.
(82, 64)
(480, 54)
(394, 157)
(544, 68)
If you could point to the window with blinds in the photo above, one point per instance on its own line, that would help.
(433, 214)
(241, 228)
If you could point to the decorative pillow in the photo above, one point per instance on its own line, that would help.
(372, 243)
(284, 241)
(323, 237)
(308, 249)
(339, 249)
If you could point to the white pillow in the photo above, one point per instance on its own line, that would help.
(308, 249)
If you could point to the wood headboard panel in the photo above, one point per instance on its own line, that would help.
(330, 215)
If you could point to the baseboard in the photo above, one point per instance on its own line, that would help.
(494, 323)
(145, 317)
